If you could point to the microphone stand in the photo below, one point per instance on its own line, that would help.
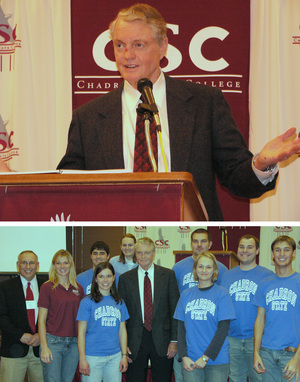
(147, 111)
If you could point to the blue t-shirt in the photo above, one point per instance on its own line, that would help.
(120, 267)
(184, 273)
(242, 286)
(103, 324)
(279, 296)
(85, 280)
(201, 312)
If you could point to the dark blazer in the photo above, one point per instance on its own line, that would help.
(13, 319)
(204, 141)
(166, 295)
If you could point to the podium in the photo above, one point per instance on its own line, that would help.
(95, 196)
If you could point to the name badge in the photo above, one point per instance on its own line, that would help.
(31, 304)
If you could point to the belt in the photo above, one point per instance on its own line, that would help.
(291, 349)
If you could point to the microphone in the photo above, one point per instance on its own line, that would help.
(145, 87)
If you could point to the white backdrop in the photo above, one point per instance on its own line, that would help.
(45, 241)
(275, 97)
(35, 96)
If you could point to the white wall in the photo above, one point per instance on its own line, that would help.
(44, 241)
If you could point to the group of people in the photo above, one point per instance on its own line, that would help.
(230, 323)
(203, 321)
(38, 321)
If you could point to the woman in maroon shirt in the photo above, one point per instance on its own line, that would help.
(58, 305)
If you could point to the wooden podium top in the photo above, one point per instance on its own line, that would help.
(92, 177)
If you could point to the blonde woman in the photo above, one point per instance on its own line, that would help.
(58, 305)
(204, 313)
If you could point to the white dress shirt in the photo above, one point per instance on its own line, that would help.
(141, 277)
(35, 290)
(130, 101)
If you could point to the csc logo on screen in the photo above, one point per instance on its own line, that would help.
(6, 141)
(174, 56)
(162, 243)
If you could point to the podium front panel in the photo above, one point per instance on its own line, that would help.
(100, 197)
(91, 203)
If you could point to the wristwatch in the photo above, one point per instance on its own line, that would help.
(204, 359)
(268, 169)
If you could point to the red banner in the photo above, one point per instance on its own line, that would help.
(209, 43)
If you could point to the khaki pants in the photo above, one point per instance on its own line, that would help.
(14, 369)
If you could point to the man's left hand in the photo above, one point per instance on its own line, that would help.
(35, 340)
(172, 350)
(291, 369)
(278, 149)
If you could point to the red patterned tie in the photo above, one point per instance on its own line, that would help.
(141, 156)
(30, 312)
(148, 307)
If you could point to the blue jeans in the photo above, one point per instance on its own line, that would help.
(275, 361)
(65, 359)
(241, 360)
(104, 368)
(211, 373)
(177, 367)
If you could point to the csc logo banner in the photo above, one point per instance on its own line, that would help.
(174, 55)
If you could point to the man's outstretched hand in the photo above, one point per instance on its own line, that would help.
(278, 150)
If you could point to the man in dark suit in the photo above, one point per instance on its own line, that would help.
(198, 130)
(18, 323)
(150, 335)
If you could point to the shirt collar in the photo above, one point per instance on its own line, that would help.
(25, 282)
(132, 95)
(150, 270)
(159, 90)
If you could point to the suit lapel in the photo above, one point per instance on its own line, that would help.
(19, 295)
(158, 286)
(181, 117)
(134, 287)
(110, 131)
